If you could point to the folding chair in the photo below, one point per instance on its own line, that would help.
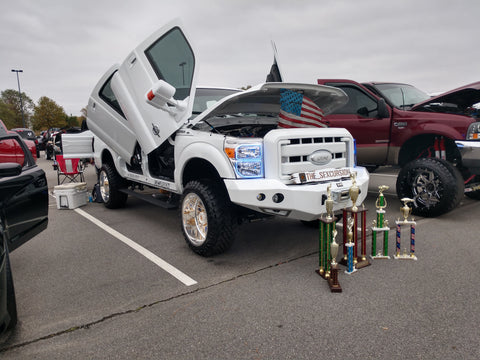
(70, 169)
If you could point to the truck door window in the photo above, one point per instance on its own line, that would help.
(107, 95)
(173, 61)
(358, 103)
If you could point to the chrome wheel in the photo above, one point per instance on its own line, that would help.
(435, 185)
(104, 186)
(194, 219)
(427, 188)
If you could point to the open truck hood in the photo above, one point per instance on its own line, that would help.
(458, 101)
(264, 99)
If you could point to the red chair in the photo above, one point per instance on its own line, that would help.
(70, 169)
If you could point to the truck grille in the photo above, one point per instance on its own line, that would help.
(295, 153)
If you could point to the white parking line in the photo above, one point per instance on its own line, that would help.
(188, 281)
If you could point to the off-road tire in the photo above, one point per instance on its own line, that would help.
(435, 185)
(209, 222)
(11, 302)
(110, 184)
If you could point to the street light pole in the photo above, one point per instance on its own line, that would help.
(20, 94)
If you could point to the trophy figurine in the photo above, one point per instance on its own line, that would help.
(329, 203)
(333, 280)
(381, 202)
(405, 210)
(380, 225)
(354, 191)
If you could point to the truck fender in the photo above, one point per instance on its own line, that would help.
(443, 130)
(204, 151)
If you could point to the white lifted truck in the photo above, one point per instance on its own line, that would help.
(229, 163)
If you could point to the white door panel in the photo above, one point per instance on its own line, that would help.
(166, 55)
(120, 113)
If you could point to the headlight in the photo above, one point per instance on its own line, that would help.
(246, 157)
(473, 132)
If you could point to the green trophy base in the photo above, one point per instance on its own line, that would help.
(332, 280)
(379, 256)
(321, 273)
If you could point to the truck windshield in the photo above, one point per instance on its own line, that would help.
(206, 97)
(402, 96)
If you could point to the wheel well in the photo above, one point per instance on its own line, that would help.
(107, 157)
(424, 146)
(199, 169)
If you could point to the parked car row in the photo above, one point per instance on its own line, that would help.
(48, 141)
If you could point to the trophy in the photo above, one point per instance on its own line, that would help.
(405, 211)
(333, 280)
(354, 191)
(350, 263)
(380, 225)
(354, 212)
(327, 234)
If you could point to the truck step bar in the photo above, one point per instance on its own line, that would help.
(164, 201)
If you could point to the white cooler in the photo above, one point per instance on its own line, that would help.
(70, 196)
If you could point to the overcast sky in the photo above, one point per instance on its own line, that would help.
(64, 46)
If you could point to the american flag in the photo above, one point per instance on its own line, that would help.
(297, 110)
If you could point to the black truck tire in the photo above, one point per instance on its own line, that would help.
(110, 183)
(435, 185)
(208, 221)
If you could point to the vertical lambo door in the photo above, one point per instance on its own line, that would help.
(148, 97)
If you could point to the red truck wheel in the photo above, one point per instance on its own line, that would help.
(435, 185)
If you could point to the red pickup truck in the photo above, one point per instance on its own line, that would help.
(397, 124)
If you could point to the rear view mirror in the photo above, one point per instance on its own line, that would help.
(382, 109)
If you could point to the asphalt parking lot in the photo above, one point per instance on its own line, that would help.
(104, 284)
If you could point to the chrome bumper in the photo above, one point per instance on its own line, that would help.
(470, 151)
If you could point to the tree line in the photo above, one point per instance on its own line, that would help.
(45, 114)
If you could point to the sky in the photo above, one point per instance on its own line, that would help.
(65, 46)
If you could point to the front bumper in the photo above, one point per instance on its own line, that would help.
(302, 202)
(470, 151)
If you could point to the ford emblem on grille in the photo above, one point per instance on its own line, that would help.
(320, 157)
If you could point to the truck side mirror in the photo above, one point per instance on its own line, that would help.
(160, 96)
(382, 109)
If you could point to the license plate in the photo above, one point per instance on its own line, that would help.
(324, 175)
